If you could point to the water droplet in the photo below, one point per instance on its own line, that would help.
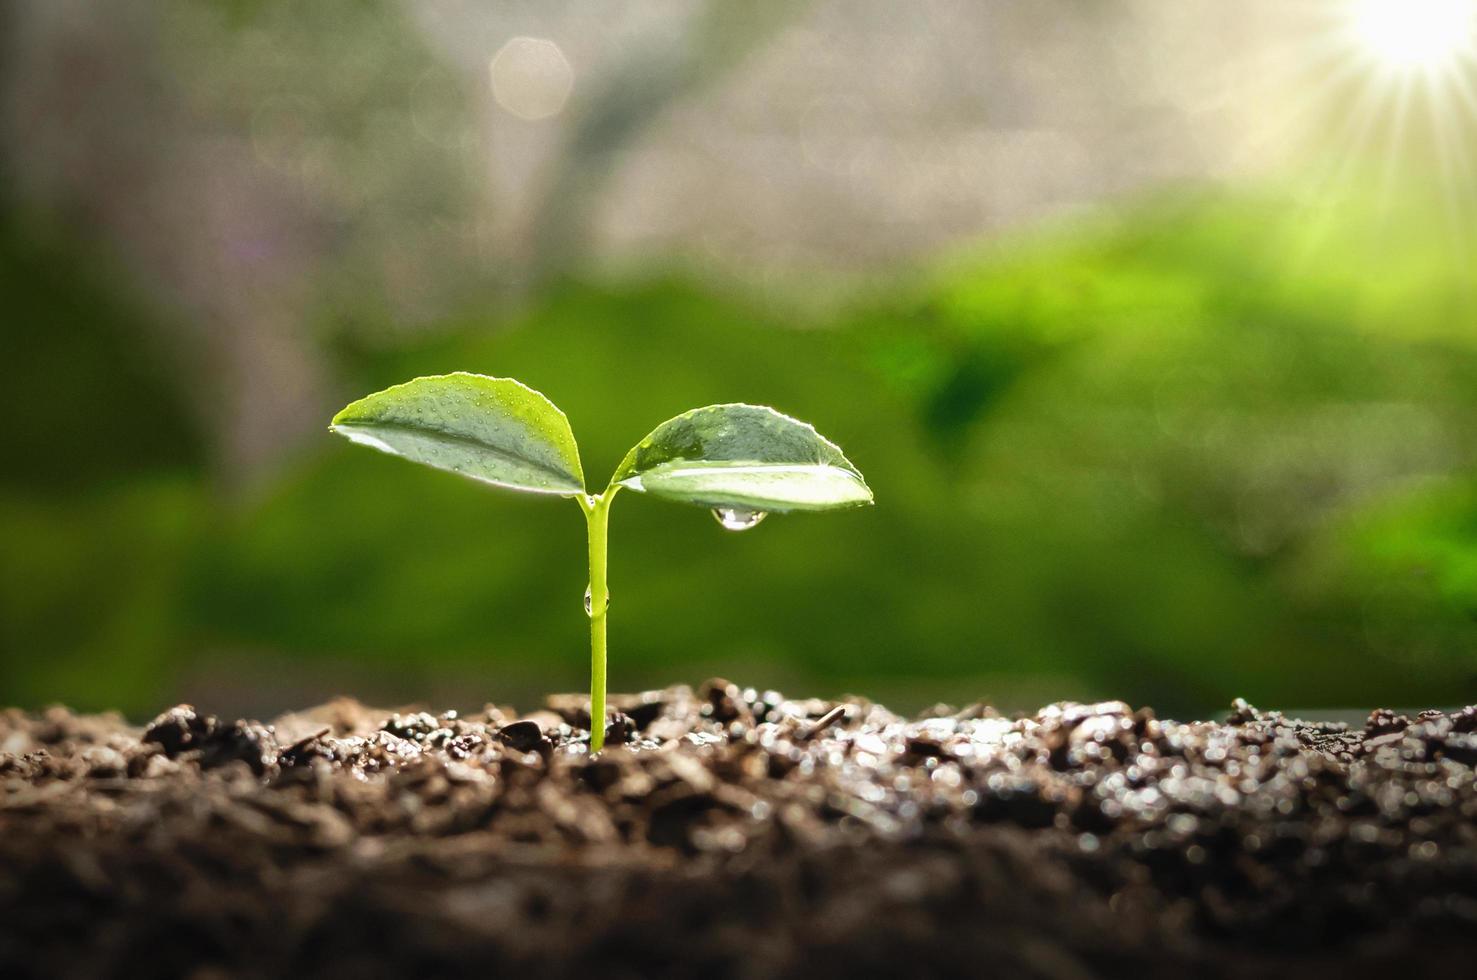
(737, 518)
(589, 603)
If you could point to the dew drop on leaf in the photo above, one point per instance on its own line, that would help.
(737, 518)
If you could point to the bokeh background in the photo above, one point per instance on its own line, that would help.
(1153, 326)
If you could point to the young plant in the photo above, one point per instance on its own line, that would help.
(743, 462)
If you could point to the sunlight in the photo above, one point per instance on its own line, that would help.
(1416, 34)
(1379, 100)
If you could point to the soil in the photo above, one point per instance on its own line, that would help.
(736, 833)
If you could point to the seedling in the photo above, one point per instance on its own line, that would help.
(743, 462)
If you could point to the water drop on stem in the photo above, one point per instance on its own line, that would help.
(590, 604)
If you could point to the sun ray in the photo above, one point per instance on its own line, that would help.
(1393, 146)
(1377, 99)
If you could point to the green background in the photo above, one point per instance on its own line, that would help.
(1144, 460)
(1213, 443)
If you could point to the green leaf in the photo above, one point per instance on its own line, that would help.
(496, 430)
(745, 457)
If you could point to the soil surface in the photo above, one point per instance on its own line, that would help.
(737, 833)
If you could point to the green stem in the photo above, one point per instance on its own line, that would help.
(597, 519)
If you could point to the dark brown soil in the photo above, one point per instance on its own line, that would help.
(737, 834)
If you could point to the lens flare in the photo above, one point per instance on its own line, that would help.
(1416, 34)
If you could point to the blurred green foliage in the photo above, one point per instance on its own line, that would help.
(1216, 446)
